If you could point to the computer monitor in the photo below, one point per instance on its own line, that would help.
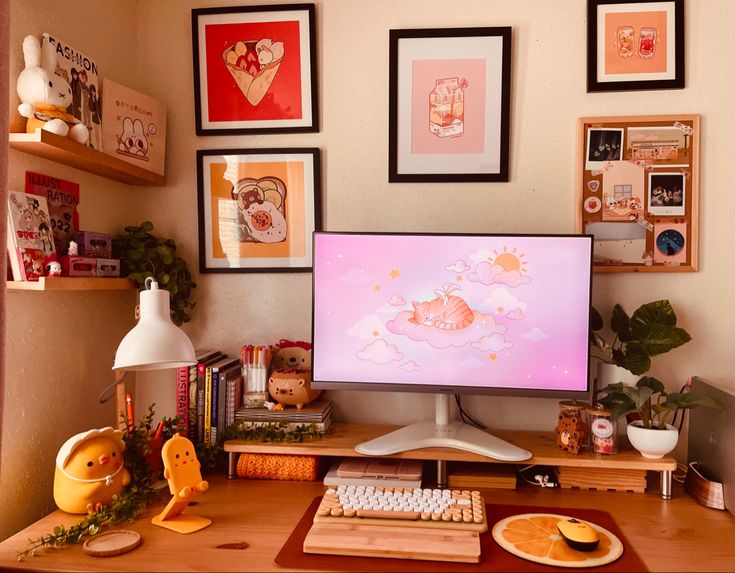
(451, 314)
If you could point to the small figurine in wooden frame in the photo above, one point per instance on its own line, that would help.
(638, 191)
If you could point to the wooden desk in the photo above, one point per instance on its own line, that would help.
(675, 535)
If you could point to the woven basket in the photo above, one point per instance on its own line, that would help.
(278, 467)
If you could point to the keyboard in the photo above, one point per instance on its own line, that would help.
(410, 507)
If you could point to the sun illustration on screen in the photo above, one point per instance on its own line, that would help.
(509, 261)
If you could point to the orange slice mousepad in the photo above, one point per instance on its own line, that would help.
(493, 558)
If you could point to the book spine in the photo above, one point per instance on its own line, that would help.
(201, 377)
(182, 399)
(208, 406)
(192, 414)
(214, 406)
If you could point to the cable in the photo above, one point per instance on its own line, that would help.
(545, 478)
(466, 418)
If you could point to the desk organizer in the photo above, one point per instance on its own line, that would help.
(278, 466)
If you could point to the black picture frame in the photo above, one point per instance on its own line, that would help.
(258, 209)
(281, 96)
(637, 47)
(481, 151)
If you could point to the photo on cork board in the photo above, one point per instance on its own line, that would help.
(258, 209)
(255, 69)
(449, 105)
(635, 45)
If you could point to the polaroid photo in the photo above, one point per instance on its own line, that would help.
(604, 144)
(667, 193)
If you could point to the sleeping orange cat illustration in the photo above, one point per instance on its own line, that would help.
(447, 312)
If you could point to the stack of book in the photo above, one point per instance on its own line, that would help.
(208, 395)
(318, 414)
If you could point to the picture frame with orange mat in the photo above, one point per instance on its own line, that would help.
(255, 69)
(257, 209)
(635, 45)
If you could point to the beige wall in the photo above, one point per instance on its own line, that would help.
(549, 38)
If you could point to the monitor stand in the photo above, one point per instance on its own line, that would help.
(445, 434)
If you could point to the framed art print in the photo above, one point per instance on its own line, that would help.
(449, 104)
(258, 209)
(638, 191)
(255, 69)
(635, 45)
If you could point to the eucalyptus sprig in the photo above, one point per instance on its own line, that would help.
(123, 509)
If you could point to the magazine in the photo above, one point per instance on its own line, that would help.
(83, 77)
(29, 238)
(62, 198)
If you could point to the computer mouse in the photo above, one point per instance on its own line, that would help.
(578, 534)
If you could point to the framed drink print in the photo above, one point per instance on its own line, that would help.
(255, 69)
(635, 45)
(449, 104)
(258, 209)
(638, 191)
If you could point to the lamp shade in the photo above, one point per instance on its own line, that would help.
(155, 342)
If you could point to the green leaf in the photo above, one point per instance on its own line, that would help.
(639, 396)
(656, 312)
(620, 323)
(681, 401)
(660, 338)
(634, 359)
(147, 226)
(596, 322)
(654, 384)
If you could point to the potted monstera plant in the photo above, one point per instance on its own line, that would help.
(651, 434)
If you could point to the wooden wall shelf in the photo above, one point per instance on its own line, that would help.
(71, 284)
(64, 150)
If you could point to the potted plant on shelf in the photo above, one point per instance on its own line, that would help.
(651, 435)
(145, 255)
(649, 332)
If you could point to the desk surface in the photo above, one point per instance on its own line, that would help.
(675, 535)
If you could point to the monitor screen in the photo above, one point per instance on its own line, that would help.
(450, 313)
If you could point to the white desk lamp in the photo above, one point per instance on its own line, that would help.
(156, 343)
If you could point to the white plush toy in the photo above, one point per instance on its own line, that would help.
(45, 96)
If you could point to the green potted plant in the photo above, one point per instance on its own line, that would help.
(145, 255)
(650, 331)
(651, 435)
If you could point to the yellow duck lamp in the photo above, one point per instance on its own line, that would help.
(182, 470)
(90, 470)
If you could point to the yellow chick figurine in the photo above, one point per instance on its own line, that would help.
(89, 470)
(181, 468)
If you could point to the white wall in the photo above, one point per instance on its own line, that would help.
(549, 94)
(548, 71)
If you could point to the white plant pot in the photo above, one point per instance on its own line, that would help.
(612, 374)
(652, 444)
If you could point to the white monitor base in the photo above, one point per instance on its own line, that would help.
(456, 435)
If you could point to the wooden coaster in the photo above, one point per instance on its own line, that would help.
(534, 536)
(111, 543)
